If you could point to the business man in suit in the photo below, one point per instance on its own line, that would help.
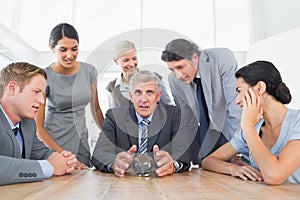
(122, 131)
(203, 85)
(23, 158)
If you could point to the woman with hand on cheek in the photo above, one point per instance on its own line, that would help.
(270, 131)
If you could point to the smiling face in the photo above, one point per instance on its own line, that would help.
(184, 69)
(66, 52)
(26, 102)
(128, 63)
(145, 97)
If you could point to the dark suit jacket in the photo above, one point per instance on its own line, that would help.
(120, 132)
(13, 169)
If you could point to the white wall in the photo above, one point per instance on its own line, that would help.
(13, 47)
(283, 51)
(271, 17)
(283, 15)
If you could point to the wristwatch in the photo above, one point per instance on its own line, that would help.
(176, 165)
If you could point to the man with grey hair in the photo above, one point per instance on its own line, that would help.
(143, 128)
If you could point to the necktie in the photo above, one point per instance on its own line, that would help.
(15, 130)
(204, 119)
(20, 140)
(144, 137)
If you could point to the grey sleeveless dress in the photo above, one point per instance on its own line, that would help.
(67, 97)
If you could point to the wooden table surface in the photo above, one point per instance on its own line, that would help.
(196, 184)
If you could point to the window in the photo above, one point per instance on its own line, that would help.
(209, 23)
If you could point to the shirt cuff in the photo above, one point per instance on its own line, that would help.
(108, 167)
(182, 166)
(47, 168)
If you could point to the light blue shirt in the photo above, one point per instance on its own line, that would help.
(46, 167)
(290, 130)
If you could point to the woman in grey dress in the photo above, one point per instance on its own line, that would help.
(118, 90)
(71, 85)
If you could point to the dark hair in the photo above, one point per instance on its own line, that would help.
(21, 72)
(62, 30)
(179, 49)
(265, 71)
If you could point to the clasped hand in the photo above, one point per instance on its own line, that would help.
(162, 159)
(63, 162)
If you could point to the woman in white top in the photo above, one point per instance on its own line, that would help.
(118, 91)
(270, 132)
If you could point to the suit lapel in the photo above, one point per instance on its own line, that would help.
(16, 148)
(192, 101)
(186, 93)
(213, 91)
(131, 127)
(205, 75)
(10, 133)
(26, 140)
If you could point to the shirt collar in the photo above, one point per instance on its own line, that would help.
(12, 126)
(119, 81)
(198, 73)
(139, 118)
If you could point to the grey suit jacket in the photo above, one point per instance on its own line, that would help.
(120, 132)
(13, 169)
(216, 69)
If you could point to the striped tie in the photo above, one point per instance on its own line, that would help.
(144, 139)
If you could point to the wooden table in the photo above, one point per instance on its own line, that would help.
(196, 184)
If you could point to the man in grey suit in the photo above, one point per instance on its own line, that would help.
(203, 85)
(122, 134)
(23, 158)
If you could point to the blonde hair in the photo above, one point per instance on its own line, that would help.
(122, 47)
(21, 72)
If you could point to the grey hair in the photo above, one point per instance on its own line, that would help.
(143, 76)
